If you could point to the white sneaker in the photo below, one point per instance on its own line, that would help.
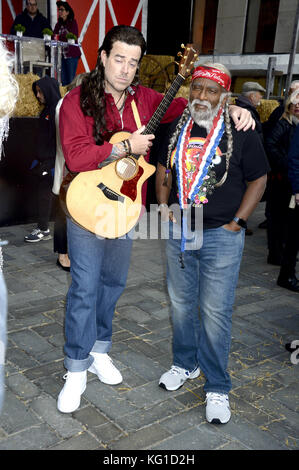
(104, 368)
(176, 377)
(217, 408)
(70, 396)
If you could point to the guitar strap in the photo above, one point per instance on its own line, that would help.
(136, 114)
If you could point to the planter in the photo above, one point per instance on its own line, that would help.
(71, 41)
(19, 33)
(47, 37)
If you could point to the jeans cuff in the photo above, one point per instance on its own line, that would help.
(78, 365)
(101, 347)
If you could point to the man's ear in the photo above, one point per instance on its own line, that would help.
(103, 57)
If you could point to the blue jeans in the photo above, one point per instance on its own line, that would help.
(99, 269)
(208, 283)
(68, 70)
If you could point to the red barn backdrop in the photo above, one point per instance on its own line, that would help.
(8, 10)
(94, 18)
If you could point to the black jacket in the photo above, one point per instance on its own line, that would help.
(46, 144)
(33, 27)
(274, 117)
(277, 146)
(244, 102)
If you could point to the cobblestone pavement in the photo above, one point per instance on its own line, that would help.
(138, 414)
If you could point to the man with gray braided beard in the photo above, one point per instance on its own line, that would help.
(206, 166)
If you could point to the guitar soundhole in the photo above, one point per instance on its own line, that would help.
(126, 168)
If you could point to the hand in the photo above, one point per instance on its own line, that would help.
(141, 144)
(242, 118)
(232, 226)
(297, 198)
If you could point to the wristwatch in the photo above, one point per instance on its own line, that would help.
(240, 222)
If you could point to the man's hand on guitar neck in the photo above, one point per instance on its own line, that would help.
(141, 143)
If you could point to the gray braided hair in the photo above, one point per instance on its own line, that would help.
(228, 129)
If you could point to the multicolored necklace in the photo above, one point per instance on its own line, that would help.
(189, 188)
(202, 178)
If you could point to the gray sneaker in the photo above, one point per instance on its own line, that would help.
(217, 408)
(37, 235)
(175, 377)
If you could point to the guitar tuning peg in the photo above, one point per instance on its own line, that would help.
(176, 63)
(187, 70)
(183, 46)
(180, 54)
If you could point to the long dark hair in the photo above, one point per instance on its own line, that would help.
(92, 98)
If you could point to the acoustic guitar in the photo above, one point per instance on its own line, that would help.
(107, 201)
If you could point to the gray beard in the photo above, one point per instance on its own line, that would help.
(205, 118)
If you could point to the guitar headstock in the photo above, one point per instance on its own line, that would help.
(188, 57)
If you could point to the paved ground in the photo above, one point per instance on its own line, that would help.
(138, 414)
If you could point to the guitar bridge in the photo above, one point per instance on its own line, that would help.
(110, 194)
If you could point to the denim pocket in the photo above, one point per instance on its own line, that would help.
(231, 231)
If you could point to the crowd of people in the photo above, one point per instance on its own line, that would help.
(212, 162)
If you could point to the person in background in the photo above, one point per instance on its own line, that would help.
(47, 93)
(293, 172)
(287, 275)
(60, 232)
(250, 98)
(267, 129)
(32, 20)
(277, 145)
(71, 54)
(9, 91)
(278, 111)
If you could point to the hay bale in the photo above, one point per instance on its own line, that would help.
(27, 104)
(265, 109)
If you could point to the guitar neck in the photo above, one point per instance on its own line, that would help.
(163, 106)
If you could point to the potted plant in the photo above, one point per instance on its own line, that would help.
(47, 33)
(71, 38)
(20, 29)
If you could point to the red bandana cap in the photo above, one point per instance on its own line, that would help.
(212, 74)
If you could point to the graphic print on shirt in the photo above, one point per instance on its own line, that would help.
(194, 147)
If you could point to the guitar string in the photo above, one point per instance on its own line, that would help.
(162, 108)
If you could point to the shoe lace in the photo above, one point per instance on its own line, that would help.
(175, 370)
(35, 231)
(216, 398)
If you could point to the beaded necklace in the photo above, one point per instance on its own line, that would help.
(188, 188)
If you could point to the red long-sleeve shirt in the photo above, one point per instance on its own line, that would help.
(76, 130)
